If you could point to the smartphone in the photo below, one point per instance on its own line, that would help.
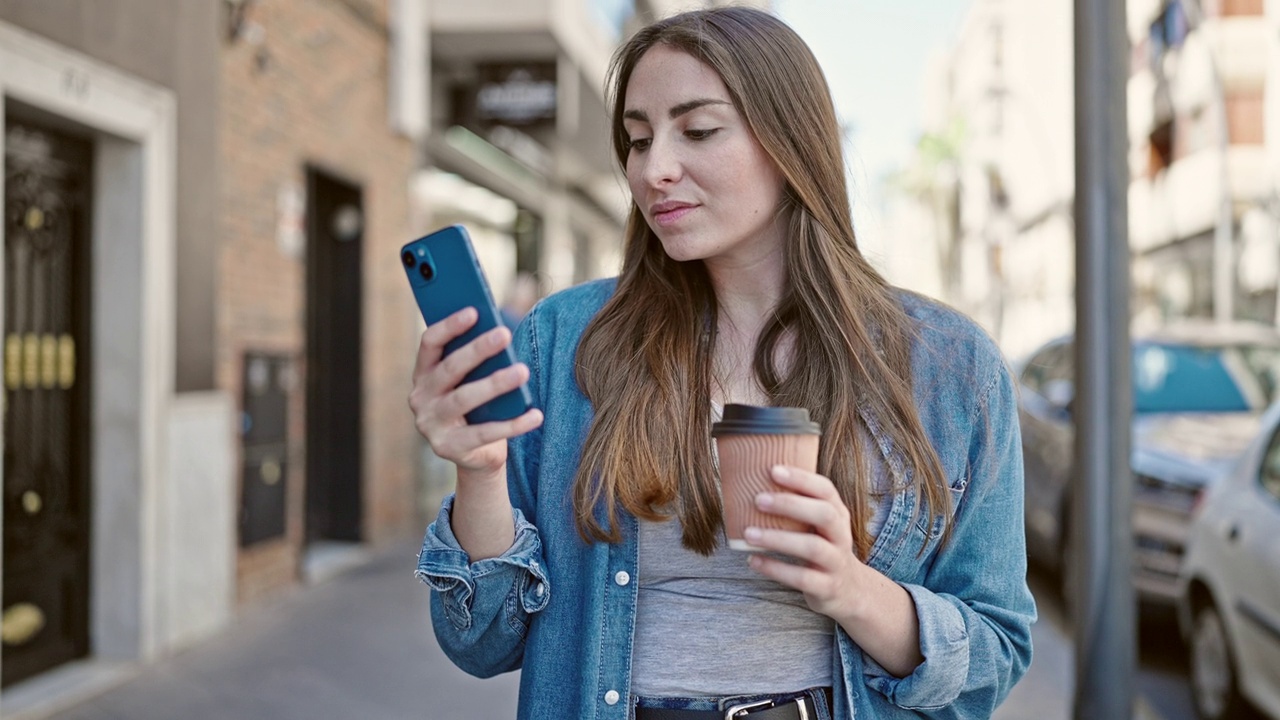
(446, 277)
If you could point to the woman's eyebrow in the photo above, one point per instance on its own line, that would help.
(677, 110)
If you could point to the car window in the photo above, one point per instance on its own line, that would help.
(1261, 372)
(1186, 378)
(1269, 473)
(1051, 363)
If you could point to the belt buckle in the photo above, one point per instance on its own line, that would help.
(737, 711)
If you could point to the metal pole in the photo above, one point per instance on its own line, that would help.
(1104, 601)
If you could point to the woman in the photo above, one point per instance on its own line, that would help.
(586, 547)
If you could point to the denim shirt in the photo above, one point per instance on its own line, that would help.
(563, 610)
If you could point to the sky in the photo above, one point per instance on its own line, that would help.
(874, 54)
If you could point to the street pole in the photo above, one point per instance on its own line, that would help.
(1104, 601)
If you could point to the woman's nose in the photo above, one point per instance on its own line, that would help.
(662, 163)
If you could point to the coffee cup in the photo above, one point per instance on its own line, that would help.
(750, 440)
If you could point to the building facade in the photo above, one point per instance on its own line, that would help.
(316, 330)
(118, 517)
(987, 199)
(208, 336)
(1202, 131)
(1204, 153)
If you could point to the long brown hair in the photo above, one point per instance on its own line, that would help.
(645, 359)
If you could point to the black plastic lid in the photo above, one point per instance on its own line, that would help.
(757, 420)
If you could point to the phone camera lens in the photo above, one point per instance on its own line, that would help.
(409, 260)
(427, 272)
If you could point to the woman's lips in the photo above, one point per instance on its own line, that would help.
(672, 215)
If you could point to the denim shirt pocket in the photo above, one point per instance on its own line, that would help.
(929, 526)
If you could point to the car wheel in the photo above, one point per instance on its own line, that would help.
(1214, 684)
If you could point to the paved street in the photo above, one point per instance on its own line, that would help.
(360, 646)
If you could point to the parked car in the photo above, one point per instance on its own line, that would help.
(1229, 587)
(1198, 392)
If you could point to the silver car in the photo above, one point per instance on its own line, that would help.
(1199, 392)
(1229, 585)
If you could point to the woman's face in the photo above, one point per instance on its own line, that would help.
(701, 179)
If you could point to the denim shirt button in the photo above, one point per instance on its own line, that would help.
(539, 590)
(622, 578)
(611, 697)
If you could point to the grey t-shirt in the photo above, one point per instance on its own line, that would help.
(713, 627)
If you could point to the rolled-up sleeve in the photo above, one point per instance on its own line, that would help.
(481, 610)
(974, 608)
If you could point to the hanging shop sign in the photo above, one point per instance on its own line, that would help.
(517, 94)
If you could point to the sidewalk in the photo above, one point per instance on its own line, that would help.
(360, 646)
(1047, 691)
(356, 646)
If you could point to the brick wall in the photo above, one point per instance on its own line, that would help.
(306, 83)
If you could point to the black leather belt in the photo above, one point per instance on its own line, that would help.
(795, 708)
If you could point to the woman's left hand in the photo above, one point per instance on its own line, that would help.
(829, 571)
(877, 613)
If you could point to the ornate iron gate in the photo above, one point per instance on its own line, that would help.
(46, 451)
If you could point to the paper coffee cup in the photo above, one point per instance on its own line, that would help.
(750, 440)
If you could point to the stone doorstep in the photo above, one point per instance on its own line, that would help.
(324, 560)
(64, 687)
(1142, 709)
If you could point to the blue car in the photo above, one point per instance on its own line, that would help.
(1198, 395)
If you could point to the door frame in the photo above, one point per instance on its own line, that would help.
(133, 124)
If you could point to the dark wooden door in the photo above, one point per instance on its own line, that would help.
(335, 222)
(46, 399)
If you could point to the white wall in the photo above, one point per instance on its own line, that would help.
(198, 557)
(1018, 120)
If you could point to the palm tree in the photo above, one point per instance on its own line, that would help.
(933, 179)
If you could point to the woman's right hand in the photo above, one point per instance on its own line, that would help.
(439, 403)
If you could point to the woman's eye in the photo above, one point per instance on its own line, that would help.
(700, 134)
(638, 144)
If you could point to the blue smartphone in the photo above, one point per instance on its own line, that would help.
(446, 277)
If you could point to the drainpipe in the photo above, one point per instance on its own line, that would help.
(1224, 275)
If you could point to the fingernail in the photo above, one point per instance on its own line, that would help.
(751, 533)
(764, 500)
(780, 472)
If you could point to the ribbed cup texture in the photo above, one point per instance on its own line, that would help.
(745, 461)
